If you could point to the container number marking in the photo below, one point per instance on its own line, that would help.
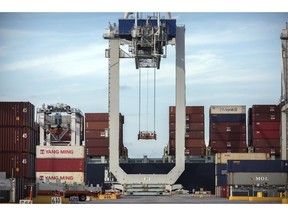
(25, 202)
(56, 200)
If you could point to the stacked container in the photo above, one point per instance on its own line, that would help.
(227, 129)
(195, 136)
(221, 161)
(264, 126)
(64, 163)
(97, 135)
(18, 138)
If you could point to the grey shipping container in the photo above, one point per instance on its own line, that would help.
(257, 178)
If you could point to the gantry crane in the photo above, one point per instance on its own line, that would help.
(284, 93)
(147, 40)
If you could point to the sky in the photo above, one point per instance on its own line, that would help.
(232, 58)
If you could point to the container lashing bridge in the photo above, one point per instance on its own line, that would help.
(145, 40)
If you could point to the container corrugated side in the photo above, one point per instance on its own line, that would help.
(60, 152)
(228, 150)
(97, 142)
(253, 178)
(217, 118)
(190, 118)
(266, 134)
(17, 164)
(228, 136)
(223, 157)
(60, 165)
(230, 109)
(196, 126)
(257, 166)
(64, 177)
(189, 110)
(195, 151)
(227, 144)
(17, 139)
(96, 125)
(274, 151)
(226, 128)
(266, 126)
(266, 108)
(17, 114)
(266, 117)
(266, 143)
(97, 151)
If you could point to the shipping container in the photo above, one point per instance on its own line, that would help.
(188, 135)
(189, 110)
(228, 150)
(17, 164)
(267, 108)
(60, 165)
(18, 139)
(97, 151)
(189, 126)
(266, 117)
(190, 118)
(266, 126)
(194, 143)
(60, 152)
(249, 116)
(228, 137)
(220, 180)
(266, 143)
(97, 142)
(216, 109)
(17, 114)
(254, 178)
(227, 144)
(214, 118)
(63, 177)
(100, 117)
(195, 151)
(220, 169)
(96, 134)
(266, 134)
(272, 151)
(226, 128)
(257, 166)
(223, 157)
(97, 125)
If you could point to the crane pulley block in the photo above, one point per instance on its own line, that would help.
(146, 135)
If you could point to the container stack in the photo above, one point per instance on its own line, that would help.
(264, 126)
(227, 129)
(221, 161)
(18, 137)
(97, 136)
(195, 136)
(60, 163)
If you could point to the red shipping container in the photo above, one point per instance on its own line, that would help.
(228, 137)
(226, 128)
(95, 134)
(190, 143)
(273, 151)
(188, 135)
(17, 114)
(60, 165)
(195, 151)
(18, 139)
(97, 125)
(228, 144)
(266, 117)
(266, 126)
(189, 126)
(21, 164)
(269, 108)
(189, 110)
(266, 134)
(190, 118)
(95, 151)
(266, 143)
(97, 142)
(95, 117)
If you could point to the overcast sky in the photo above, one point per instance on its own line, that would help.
(231, 59)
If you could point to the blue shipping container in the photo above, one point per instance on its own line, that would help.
(221, 180)
(220, 169)
(214, 118)
(257, 166)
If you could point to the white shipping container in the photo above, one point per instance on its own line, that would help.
(64, 177)
(60, 152)
(221, 158)
(227, 109)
